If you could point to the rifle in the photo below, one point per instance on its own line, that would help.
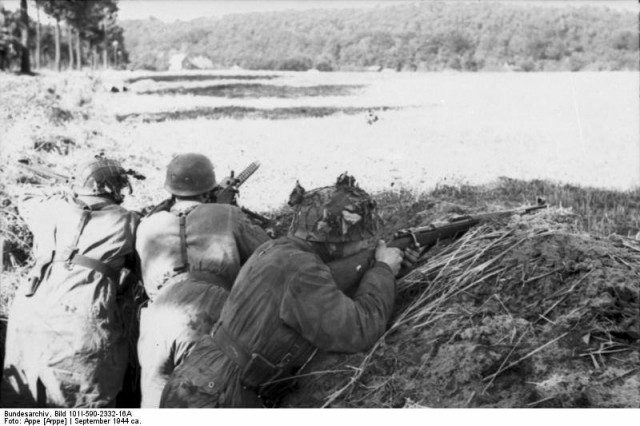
(227, 190)
(348, 272)
(43, 173)
(48, 174)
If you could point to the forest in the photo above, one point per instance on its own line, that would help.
(430, 36)
(77, 33)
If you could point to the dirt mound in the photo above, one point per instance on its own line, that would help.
(530, 313)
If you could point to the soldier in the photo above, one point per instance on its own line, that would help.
(285, 304)
(190, 256)
(66, 340)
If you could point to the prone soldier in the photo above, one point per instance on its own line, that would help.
(190, 255)
(67, 342)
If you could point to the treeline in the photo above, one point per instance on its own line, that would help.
(83, 33)
(429, 37)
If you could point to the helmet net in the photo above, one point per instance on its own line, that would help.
(336, 214)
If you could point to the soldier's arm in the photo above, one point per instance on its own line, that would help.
(248, 236)
(322, 314)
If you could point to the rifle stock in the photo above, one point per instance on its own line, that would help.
(348, 272)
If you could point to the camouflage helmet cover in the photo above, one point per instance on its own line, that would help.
(101, 176)
(190, 174)
(334, 214)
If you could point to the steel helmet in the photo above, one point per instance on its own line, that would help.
(101, 176)
(189, 174)
(334, 214)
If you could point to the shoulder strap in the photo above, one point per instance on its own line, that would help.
(182, 217)
(183, 244)
(72, 257)
(78, 259)
(84, 218)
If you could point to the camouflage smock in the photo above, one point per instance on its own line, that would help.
(66, 344)
(183, 307)
(284, 294)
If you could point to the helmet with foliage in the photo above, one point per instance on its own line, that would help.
(101, 176)
(189, 174)
(334, 214)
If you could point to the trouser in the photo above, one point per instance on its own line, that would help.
(182, 312)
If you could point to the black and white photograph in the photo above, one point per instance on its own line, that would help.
(358, 204)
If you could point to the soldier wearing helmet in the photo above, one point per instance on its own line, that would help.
(285, 304)
(66, 340)
(190, 255)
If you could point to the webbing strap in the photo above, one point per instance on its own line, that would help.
(96, 265)
(183, 243)
(182, 217)
(84, 218)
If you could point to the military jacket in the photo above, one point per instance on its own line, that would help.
(66, 343)
(284, 297)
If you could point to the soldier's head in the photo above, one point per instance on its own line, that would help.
(341, 218)
(101, 176)
(190, 176)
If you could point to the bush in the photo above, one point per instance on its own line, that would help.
(324, 66)
(294, 64)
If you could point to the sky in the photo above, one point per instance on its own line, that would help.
(172, 10)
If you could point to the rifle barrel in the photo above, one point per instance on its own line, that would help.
(348, 271)
(42, 172)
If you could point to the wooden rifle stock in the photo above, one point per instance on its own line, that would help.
(348, 272)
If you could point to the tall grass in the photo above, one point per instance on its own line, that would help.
(598, 211)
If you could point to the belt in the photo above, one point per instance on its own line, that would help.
(257, 370)
(203, 276)
(90, 263)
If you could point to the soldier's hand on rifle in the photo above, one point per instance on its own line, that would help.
(411, 257)
(226, 195)
(390, 255)
(226, 192)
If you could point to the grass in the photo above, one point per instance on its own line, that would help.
(238, 112)
(183, 78)
(597, 211)
(255, 90)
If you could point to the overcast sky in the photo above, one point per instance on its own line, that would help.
(171, 10)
